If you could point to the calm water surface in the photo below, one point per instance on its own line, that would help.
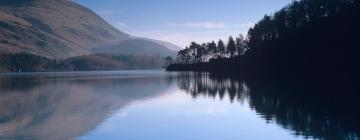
(153, 105)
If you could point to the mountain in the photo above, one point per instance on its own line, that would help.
(166, 44)
(139, 46)
(62, 28)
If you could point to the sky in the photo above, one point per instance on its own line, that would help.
(182, 21)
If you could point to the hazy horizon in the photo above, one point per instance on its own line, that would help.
(180, 22)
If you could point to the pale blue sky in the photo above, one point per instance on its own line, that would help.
(183, 21)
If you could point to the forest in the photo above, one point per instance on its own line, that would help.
(307, 38)
(24, 62)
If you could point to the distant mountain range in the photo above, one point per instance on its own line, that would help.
(59, 29)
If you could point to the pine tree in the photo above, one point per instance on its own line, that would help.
(231, 46)
(221, 48)
(212, 49)
(240, 45)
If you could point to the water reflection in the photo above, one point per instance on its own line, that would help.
(201, 84)
(323, 111)
(72, 105)
(67, 107)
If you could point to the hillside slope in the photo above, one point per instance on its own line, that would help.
(137, 46)
(55, 29)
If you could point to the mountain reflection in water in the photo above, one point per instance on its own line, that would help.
(51, 108)
(70, 106)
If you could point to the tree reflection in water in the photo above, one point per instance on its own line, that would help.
(201, 84)
(308, 111)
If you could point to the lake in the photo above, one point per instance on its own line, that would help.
(157, 105)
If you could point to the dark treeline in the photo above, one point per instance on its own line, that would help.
(307, 38)
(205, 52)
(23, 62)
(305, 112)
